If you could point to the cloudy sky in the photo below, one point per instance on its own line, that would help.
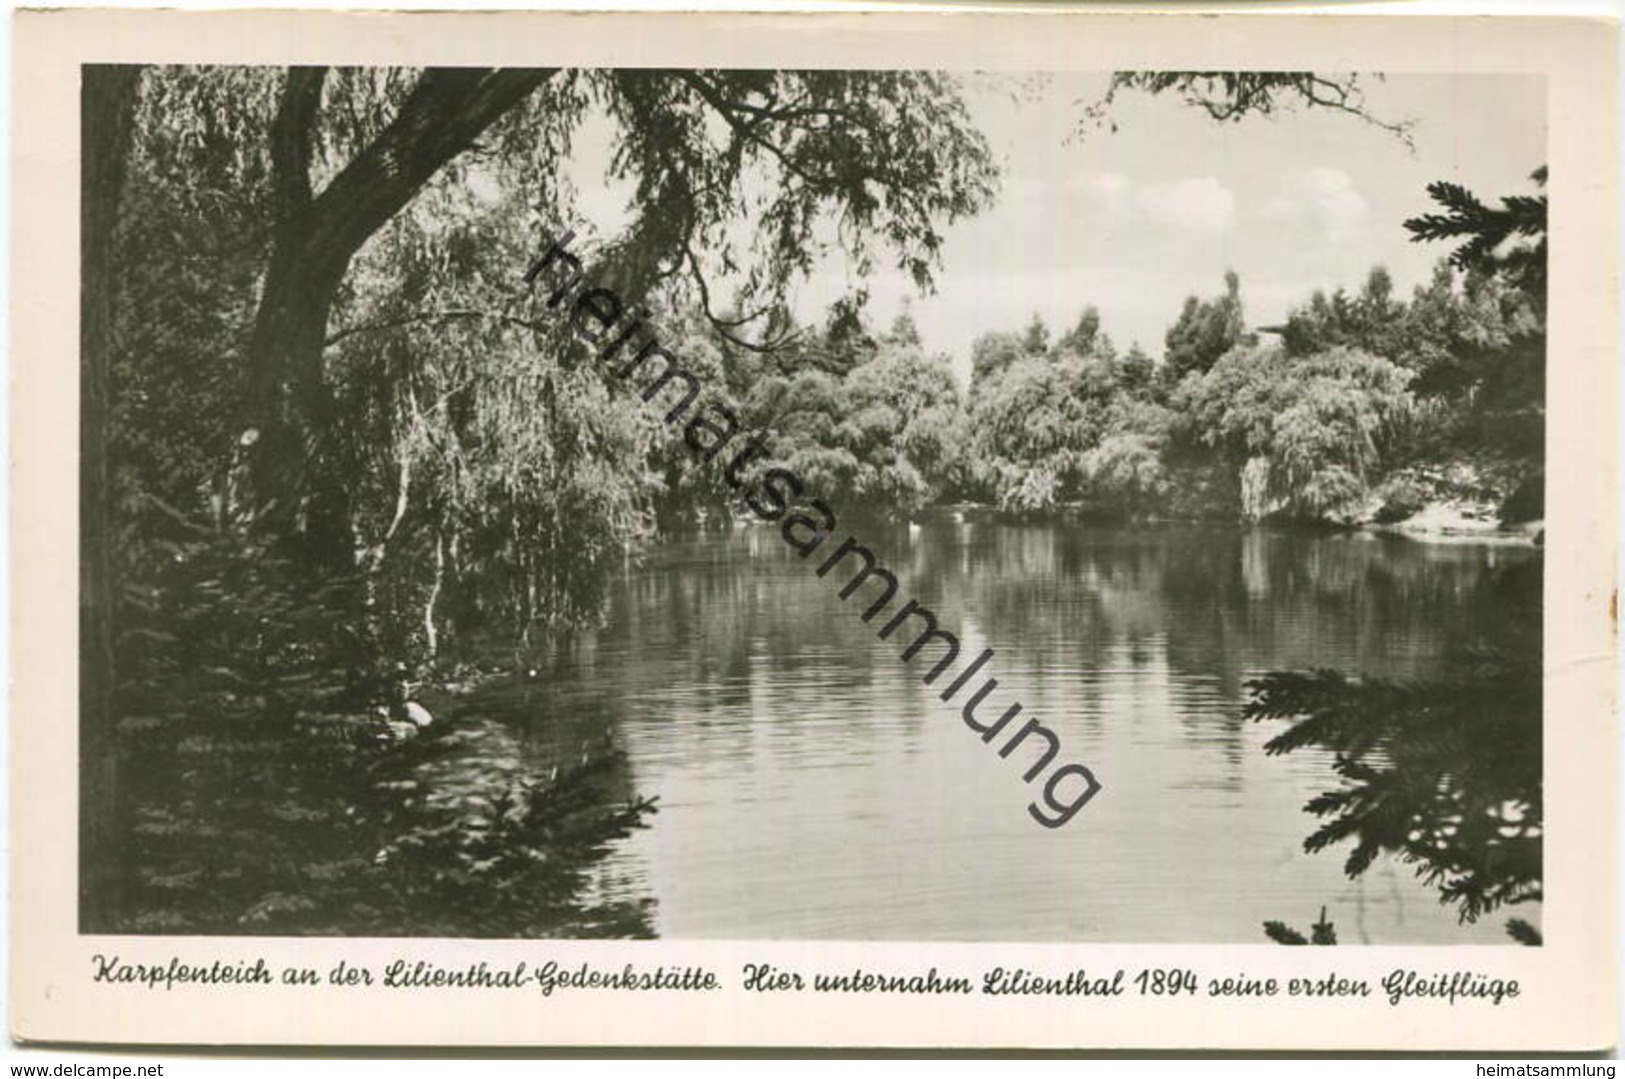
(1135, 220)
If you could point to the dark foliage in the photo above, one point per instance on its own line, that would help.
(1231, 96)
(1510, 237)
(1402, 498)
(1322, 932)
(1205, 331)
(267, 795)
(1445, 775)
(1524, 933)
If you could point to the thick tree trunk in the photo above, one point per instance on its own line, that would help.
(315, 238)
(106, 110)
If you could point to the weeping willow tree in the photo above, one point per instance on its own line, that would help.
(338, 251)
(331, 433)
(885, 158)
(1307, 435)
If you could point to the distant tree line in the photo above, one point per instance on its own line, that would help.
(1360, 407)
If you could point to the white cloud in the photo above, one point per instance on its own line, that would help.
(1196, 204)
(1199, 204)
(1324, 199)
(1109, 192)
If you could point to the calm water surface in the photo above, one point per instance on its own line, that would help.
(810, 787)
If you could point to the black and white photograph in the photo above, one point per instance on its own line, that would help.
(858, 505)
(921, 504)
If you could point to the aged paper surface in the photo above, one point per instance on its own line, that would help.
(1000, 968)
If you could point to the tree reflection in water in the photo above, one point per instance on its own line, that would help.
(481, 840)
(1443, 774)
(463, 831)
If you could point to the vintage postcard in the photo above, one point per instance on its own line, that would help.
(1022, 530)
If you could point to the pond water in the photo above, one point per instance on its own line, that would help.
(811, 787)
